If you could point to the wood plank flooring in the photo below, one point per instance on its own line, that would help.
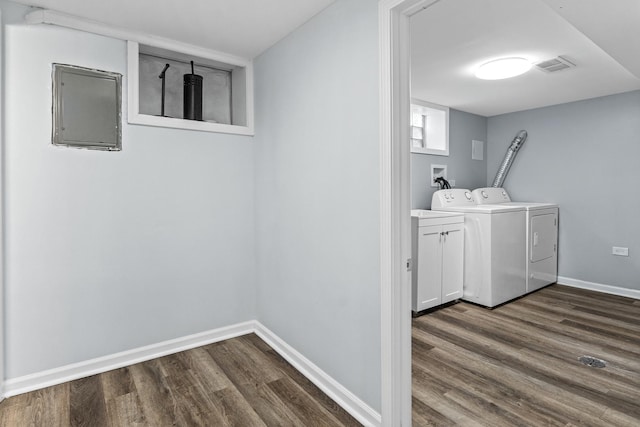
(238, 382)
(517, 365)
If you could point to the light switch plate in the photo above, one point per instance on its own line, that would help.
(620, 251)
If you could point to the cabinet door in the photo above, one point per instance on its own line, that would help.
(452, 262)
(429, 267)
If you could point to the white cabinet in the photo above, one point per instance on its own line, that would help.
(437, 252)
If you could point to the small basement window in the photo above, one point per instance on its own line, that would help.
(221, 99)
(216, 89)
(429, 132)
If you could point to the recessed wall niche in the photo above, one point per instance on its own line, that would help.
(227, 88)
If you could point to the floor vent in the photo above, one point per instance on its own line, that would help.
(555, 64)
(592, 362)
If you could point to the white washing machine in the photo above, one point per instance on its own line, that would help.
(494, 247)
(541, 235)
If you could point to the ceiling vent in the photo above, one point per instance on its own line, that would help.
(555, 64)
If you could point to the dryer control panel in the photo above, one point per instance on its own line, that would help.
(452, 197)
(491, 195)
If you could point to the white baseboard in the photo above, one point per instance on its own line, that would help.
(332, 388)
(607, 289)
(38, 380)
(336, 391)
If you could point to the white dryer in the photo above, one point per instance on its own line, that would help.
(494, 247)
(541, 235)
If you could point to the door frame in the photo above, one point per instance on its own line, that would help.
(2, 204)
(395, 206)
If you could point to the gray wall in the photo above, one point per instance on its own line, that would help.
(109, 251)
(583, 156)
(317, 193)
(468, 173)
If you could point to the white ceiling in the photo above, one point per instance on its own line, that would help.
(243, 28)
(449, 40)
(452, 37)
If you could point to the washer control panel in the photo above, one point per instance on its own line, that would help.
(491, 195)
(452, 197)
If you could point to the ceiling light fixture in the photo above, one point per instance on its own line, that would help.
(503, 68)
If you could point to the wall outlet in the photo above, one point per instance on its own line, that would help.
(620, 251)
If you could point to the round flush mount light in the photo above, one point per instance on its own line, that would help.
(503, 68)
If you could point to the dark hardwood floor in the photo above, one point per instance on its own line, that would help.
(238, 382)
(517, 365)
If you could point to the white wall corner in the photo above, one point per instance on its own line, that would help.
(599, 287)
(332, 388)
(336, 391)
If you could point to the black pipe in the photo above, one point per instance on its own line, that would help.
(443, 183)
(162, 76)
(192, 101)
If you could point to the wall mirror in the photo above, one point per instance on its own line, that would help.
(429, 128)
(86, 108)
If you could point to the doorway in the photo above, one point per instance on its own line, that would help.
(395, 157)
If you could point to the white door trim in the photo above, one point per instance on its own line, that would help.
(395, 206)
(2, 201)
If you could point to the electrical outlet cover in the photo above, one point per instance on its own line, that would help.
(620, 251)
